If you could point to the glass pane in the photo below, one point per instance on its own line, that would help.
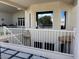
(45, 19)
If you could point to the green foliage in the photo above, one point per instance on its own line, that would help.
(45, 21)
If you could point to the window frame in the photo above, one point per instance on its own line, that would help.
(65, 14)
(41, 12)
(21, 21)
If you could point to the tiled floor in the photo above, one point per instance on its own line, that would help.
(7, 53)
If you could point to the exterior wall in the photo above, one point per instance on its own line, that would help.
(10, 18)
(7, 18)
(19, 14)
(27, 20)
(76, 50)
(30, 15)
(56, 7)
(72, 18)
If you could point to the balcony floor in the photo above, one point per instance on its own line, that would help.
(7, 53)
(14, 51)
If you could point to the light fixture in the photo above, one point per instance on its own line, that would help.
(19, 9)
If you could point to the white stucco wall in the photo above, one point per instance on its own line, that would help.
(7, 18)
(56, 7)
(76, 50)
(11, 18)
(27, 24)
(19, 14)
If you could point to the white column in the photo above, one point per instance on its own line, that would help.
(26, 19)
(76, 50)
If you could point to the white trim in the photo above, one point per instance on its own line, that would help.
(43, 29)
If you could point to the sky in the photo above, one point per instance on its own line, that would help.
(50, 14)
(62, 16)
(42, 15)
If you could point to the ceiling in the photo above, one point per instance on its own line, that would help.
(12, 5)
(7, 8)
(26, 3)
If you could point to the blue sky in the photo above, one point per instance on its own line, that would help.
(42, 15)
(50, 14)
(62, 14)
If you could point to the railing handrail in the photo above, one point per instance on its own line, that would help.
(47, 37)
(43, 29)
(12, 35)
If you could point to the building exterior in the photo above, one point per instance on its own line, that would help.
(49, 25)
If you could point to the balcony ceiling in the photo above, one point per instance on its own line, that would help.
(23, 4)
(7, 8)
(26, 3)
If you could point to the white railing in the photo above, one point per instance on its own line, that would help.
(52, 40)
(48, 39)
(24, 37)
(8, 36)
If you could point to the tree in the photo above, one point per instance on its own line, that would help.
(45, 21)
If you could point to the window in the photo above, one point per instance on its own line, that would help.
(63, 19)
(21, 22)
(44, 19)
